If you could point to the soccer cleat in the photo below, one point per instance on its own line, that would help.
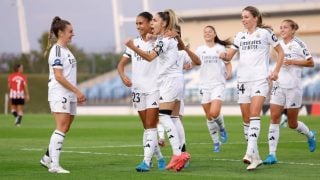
(45, 162)
(247, 159)
(174, 160)
(216, 147)
(254, 164)
(143, 167)
(161, 164)
(223, 135)
(183, 161)
(312, 142)
(271, 159)
(178, 162)
(58, 169)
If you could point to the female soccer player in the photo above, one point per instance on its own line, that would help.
(213, 75)
(287, 90)
(145, 92)
(186, 58)
(252, 75)
(18, 92)
(63, 94)
(170, 80)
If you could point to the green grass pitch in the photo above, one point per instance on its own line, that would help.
(109, 147)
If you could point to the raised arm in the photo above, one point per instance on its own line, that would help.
(147, 55)
(194, 58)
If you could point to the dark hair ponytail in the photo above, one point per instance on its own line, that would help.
(57, 25)
(256, 13)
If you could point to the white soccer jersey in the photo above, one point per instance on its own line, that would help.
(183, 59)
(212, 69)
(61, 58)
(167, 60)
(254, 54)
(290, 76)
(144, 73)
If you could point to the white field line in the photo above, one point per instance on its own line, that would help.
(136, 145)
(197, 156)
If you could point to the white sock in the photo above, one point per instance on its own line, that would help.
(150, 144)
(157, 152)
(220, 121)
(245, 130)
(253, 135)
(213, 130)
(172, 133)
(55, 147)
(160, 131)
(273, 138)
(177, 122)
(303, 129)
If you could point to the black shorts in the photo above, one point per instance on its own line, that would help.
(17, 101)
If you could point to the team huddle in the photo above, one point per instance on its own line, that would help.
(159, 58)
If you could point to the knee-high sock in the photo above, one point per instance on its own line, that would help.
(172, 133)
(55, 146)
(220, 121)
(157, 152)
(245, 130)
(213, 130)
(177, 122)
(160, 131)
(253, 135)
(303, 129)
(273, 138)
(150, 144)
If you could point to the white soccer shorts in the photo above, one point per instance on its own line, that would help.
(143, 101)
(247, 90)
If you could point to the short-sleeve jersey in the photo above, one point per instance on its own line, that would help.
(61, 58)
(290, 76)
(17, 82)
(144, 73)
(183, 59)
(254, 55)
(212, 69)
(167, 60)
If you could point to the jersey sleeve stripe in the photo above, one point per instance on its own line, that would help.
(58, 51)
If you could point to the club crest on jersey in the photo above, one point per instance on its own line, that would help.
(57, 62)
(290, 47)
(274, 38)
(306, 52)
